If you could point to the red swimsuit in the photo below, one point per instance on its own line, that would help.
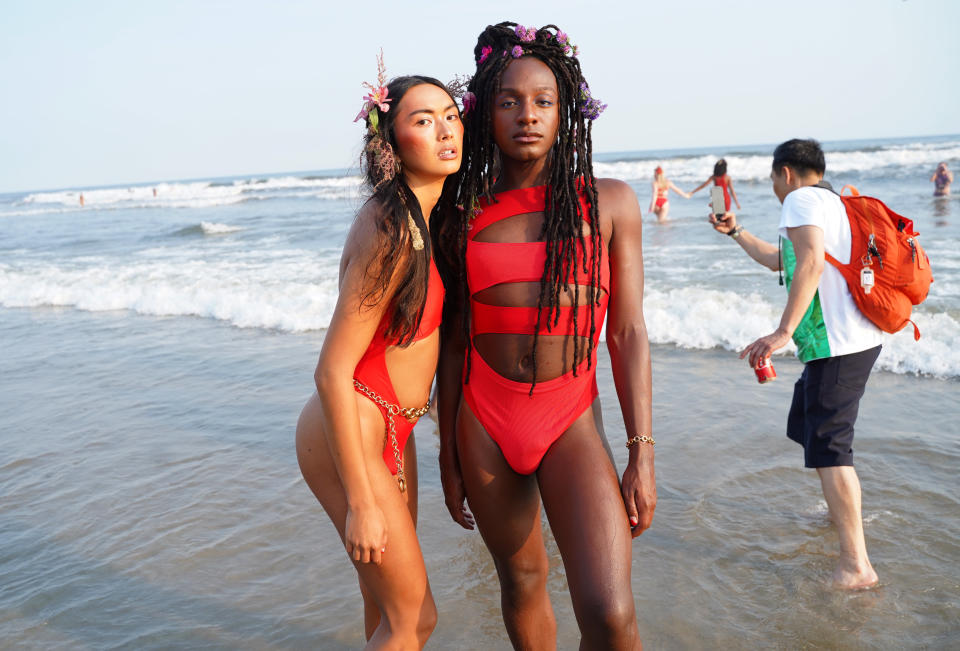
(525, 426)
(372, 368)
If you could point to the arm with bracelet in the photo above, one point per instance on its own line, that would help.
(762, 251)
(629, 349)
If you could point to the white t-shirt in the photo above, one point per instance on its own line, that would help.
(832, 311)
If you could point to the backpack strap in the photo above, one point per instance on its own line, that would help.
(826, 186)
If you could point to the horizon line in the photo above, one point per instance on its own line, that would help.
(331, 170)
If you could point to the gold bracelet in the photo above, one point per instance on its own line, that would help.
(640, 439)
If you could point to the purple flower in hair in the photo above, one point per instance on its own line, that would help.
(561, 38)
(525, 34)
(591, 107)
(517, 52)
(485, 52)
(469, 101)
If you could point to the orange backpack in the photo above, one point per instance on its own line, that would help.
(886, 243)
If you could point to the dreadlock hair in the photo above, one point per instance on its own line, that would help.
(381, 164)
(570, 173)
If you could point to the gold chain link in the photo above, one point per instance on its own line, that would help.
(412, 414)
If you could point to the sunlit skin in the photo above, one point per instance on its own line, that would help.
(340, 434)
(592, 518)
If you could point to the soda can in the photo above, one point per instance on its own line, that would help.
(764, 371)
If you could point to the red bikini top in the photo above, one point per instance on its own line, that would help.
(493, 263)
(432, 311)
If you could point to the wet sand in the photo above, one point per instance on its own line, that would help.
(150, 498)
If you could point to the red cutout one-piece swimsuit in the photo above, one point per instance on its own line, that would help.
(372, 368)
(525, 426)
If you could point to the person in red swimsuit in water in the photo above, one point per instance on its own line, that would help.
(540, 253)
(721, 179)
(379, 356)
(659, 200)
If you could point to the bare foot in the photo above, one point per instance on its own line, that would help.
(853, 575)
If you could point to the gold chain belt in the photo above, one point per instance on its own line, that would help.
(412, 414)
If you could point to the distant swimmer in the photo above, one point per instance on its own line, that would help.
(659, 200)
(941, 180)
(154, 192)
(720, 179)
(81, 199)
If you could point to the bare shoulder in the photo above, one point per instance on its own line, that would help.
(617, 202)
(615, 191)
(363, 239)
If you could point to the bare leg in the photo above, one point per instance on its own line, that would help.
(398, 588)
(598, 422)
(841, 488)
(664, 213)
(371, 613)
(506, 506)
(581, 495)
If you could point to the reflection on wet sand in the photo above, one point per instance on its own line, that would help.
(941, 210)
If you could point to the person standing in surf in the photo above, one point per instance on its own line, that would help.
(837, 344)
(539, 254)
(354, 438)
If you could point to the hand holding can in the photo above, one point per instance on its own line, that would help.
(764, 371)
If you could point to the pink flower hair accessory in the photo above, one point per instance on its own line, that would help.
(469, 102)
(377, 97)
(525, 34)
(484, 53)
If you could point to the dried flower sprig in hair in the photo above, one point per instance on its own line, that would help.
(377, 97)
(380, 157)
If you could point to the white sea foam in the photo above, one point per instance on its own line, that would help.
(292, 292)
(756, 167)
(698, 318)
(296, 291)
(213, 228)
(194, 194)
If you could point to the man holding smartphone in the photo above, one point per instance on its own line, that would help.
(836, 343)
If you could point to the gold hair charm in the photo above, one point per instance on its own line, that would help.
(414, 233)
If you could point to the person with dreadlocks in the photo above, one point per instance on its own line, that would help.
(538, 254)
(354, 438)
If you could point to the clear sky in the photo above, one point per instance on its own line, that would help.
(97, 93)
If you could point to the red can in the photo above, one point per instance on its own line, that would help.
(764, 371)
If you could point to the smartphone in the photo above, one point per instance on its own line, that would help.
(717, 202)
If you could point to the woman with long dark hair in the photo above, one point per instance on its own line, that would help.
(722, 180)
(354, 437)
(539, 253)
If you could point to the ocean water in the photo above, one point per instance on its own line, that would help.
(158, 348)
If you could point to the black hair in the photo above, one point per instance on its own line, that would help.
(395, 200)
(720, 168)
(802, 156)
(570, 174)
